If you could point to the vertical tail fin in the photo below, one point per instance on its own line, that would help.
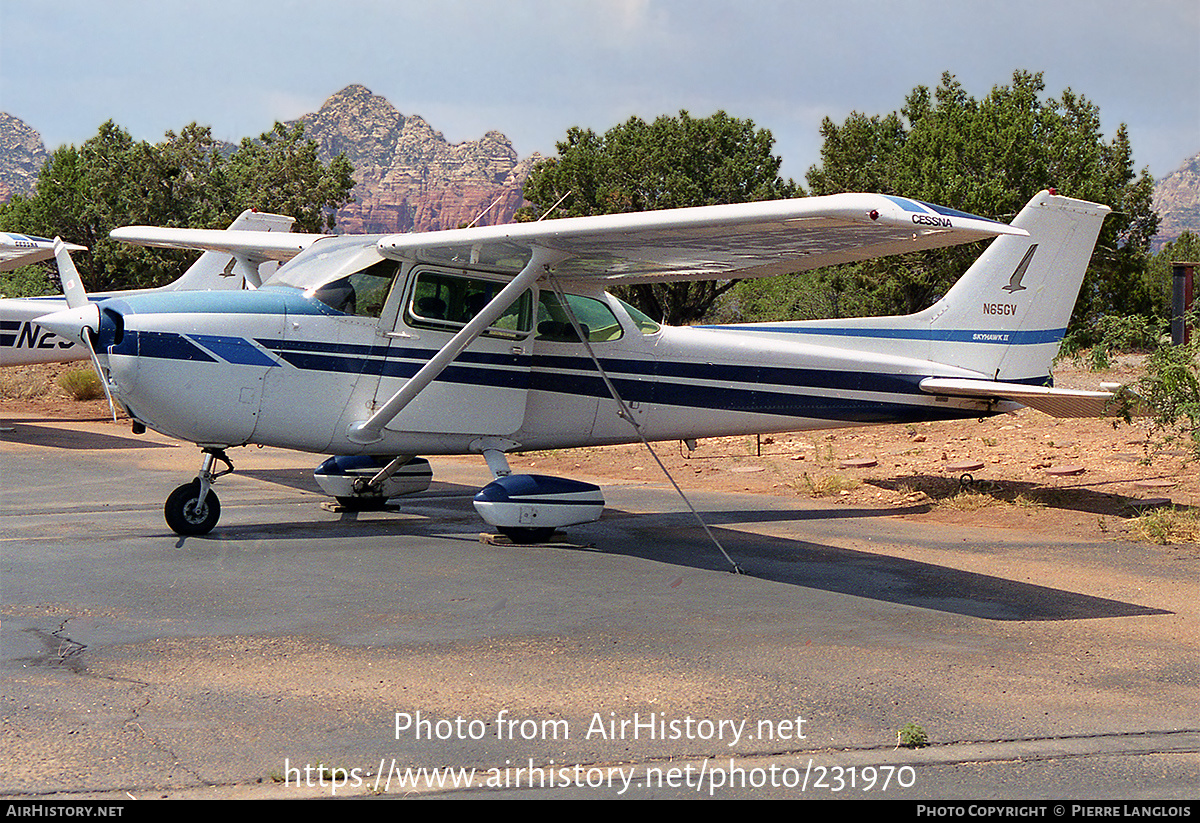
(1007, 315)
(220, 270)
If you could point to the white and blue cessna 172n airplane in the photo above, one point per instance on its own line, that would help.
(23, 341)
(500, 339)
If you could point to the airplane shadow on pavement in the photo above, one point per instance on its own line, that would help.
(55, 437)
(677, 538)
(878, 576)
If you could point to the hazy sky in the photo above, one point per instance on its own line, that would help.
(533, 68)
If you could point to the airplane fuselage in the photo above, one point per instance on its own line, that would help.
(500, 339)
(298, 373)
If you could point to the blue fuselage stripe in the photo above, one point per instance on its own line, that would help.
(164, 346)
(236, 350)
(1001, 336)
(769, 390)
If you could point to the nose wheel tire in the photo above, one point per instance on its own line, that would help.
(184, 513)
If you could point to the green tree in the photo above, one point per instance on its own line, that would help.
(187, 180)
(673, 162)
(989, 157)
(1168, 393)
(281, 173)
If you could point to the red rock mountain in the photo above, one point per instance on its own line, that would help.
(409, 177)
(22, 156)
(1177, 201)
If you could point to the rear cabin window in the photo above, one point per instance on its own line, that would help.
(450, 301)
(645, 324)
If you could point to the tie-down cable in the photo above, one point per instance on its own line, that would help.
(623, 411)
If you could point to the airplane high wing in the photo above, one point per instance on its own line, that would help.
(256, 245)
(233, 264)
(709, 242)
(499, 339)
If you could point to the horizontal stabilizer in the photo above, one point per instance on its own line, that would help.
(1054, 402)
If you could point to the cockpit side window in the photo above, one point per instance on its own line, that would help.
(362, 293)
(596, 320)
(439, 300)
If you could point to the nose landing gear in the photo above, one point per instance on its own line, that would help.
(193, 508)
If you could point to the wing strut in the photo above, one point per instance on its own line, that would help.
(248, 270)
(371, 430)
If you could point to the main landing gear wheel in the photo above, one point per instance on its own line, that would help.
(526, 535)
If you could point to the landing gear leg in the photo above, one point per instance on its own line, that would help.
(193, 508)
(368, 493)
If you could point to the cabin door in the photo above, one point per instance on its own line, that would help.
(484, 390)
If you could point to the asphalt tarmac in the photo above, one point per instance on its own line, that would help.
(302, 652)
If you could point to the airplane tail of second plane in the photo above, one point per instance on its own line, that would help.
(221, 270)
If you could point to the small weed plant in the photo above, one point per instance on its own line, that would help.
(828, 485)
(1166, 526)
(911, 736)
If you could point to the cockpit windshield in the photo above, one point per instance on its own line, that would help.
(328, 259)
